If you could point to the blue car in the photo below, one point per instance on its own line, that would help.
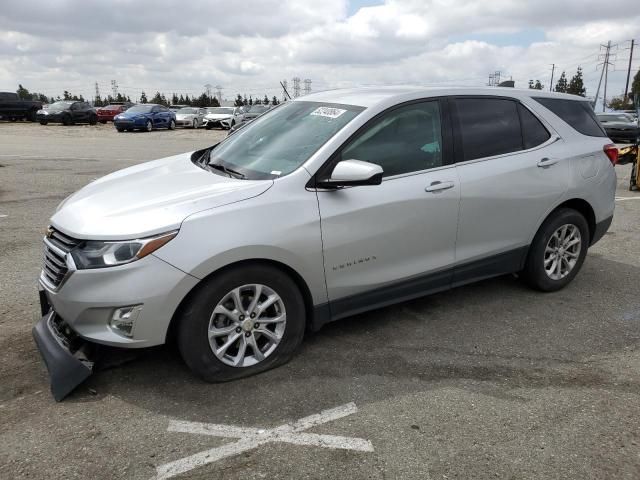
(145, 116)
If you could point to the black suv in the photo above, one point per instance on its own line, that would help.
(68, 112)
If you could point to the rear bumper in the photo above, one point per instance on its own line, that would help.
(601, 229)
(66, 358)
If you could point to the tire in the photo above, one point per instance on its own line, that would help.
(103, 122)
(208, 127)
(93, 120)
(172, 125)
(196, 316)
(195, 124)
(31, 116)
(43, 122)
(120, 129)
(148, 126)
(534, 273)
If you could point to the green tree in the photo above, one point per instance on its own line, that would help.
(265, 101)
(214, 102)
(250, 100)
(66, 95)
(576, 85)
(531, 84)
(23, 93)
(562, 85)
(143, 97)
(538, 85)
(274, 100)
(157, 98)
(635, 85)
(245, 101)
(174, 99)
(238, 102)
(618, 103)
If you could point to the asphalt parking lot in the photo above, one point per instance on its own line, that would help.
(490, 380)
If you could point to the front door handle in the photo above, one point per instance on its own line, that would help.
(547, 162)
(437, 186)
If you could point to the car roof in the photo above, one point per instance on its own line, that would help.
(370, 96)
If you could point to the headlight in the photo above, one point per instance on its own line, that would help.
(99, 254)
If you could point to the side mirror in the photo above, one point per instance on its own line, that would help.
(353, 173)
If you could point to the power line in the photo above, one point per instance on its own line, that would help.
(626, 88)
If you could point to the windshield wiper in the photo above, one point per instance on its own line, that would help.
(227, 170)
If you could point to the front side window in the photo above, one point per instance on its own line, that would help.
(406, 139)
(488, 127)
(281, 140)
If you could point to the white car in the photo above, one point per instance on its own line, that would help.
(222, 117)
(329, 205)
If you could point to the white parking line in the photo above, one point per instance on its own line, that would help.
(622, 199)
(250, 438)
(3, 216)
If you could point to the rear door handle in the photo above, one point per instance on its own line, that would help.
(547, 162)
(437, 186)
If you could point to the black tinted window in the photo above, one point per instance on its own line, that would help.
(578, 114)
(407, 139)
(488, 126)
(533, 132)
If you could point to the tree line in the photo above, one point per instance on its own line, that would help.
(243, 101)
(574, 86)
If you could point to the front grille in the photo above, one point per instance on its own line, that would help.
(56, 247)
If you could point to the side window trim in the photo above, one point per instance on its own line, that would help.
(446, 131)
(457, 134)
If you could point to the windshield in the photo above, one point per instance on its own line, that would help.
(257, 109)
(188, 110)
(140, 109)
(220, 110)
(60, 105)
(614, 118)
(280, 141)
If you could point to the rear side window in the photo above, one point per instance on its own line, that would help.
(533, 132)
(488, 126)
(576, 113)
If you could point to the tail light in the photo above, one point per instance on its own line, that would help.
(611, 151)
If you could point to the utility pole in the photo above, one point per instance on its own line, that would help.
(284, 89)
(219, 93)
(114, 88)
(605, 68)
(207, 89)
(97, 93)
(626, 88)
(307, 86)
(553, 69)
(296, 87)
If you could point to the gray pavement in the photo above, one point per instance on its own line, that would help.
(491, 380)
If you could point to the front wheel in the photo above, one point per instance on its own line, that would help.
(43, 122)
(195, 124)
(172, 125)
(558, 251)
(241, 322)
(93, 120)
(149, 126)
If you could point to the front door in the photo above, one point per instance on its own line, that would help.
(396, 240)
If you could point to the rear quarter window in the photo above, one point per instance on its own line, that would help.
(578, 114)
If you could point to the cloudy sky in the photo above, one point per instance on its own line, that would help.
(248, 46)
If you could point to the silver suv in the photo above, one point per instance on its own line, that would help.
(327, 206)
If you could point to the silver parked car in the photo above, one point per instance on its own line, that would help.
(190, 117)
(327, 206)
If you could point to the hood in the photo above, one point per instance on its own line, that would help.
(149, 198)
(217, 116)
(127, 114)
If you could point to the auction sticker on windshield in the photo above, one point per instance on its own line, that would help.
(329, 112)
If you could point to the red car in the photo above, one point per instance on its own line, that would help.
(106, 114)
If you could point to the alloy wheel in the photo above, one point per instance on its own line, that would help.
(149, 126)
(562, 251)
(247, 325)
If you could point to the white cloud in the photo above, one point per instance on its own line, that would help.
(249, 46)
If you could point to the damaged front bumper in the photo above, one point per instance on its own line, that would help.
(66, 355)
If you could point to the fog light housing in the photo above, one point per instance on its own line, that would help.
(123, 319)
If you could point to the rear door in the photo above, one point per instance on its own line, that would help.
(395, 240)
(511, 174)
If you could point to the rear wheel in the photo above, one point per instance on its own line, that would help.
(120, 129)
(241, 322)
(148, 126)
(172, 125)
(66, 120)
(558, 251)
